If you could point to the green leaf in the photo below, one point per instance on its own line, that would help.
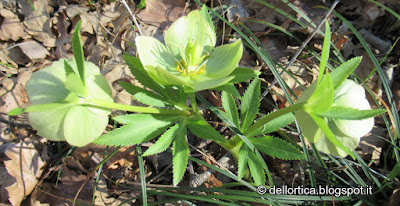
(329, 134)
(141, 4)
(325, 51)
(78, 52)
(229, 104)
(250, 104)
(348, 113)
(144, 96)
(242, 74)
(74, 84)
(141, 75)
(224, 59)
(138, 128)
(229, 88)
(243, 158)
(206, 15)
(341, 73)
(256, 170)
(202, 129)
(191, 28)
(68, 69)
(276, 148)
(180, 154)
(164, 141)
(16, 111)
(274, 125)
(322, 98)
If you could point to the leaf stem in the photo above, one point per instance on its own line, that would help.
(131, 108)
(193, 102)
(259, 123)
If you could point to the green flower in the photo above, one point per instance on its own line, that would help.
(58, 97)
(344, 119)
(189, 58)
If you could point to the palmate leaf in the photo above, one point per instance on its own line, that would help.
(138, 128)
(243, 158)
(276, 148)
(202, 129)
(164, 141)
(180, 153)
(256, 170)
(341, 73)
(144, 96)
(325, 51)
(250, 104)
(242, 74)
(274, 125)
(231, 111)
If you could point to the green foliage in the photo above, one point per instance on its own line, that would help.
(274, 125)
(202, 129)
(144, 96)
(250, 104)
(348, 113)
(138, 128)
(164, 141)
(180, 154)
(276, 148)
(231, 111)
(78, 52)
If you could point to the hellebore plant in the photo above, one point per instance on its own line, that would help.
(71, 101)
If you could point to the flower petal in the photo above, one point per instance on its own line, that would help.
(202, 83)
(309, 128)
(325, 145)
(153, 53)
(193, 27)
(166, 77)
(352, 95)
(224, 59)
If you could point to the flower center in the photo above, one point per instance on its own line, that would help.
(194, 58)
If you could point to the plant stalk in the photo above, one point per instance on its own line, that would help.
(139, 109)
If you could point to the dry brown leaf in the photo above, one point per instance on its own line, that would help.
(24, 166)
(33, 50)
(161, 13)
(38, 22)
(89, 20)
(17, 97)
(11, 28)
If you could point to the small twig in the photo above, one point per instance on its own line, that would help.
(301, 48)
(133, 17)
(15, 124)
(201, 178)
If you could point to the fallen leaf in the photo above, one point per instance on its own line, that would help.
(33, 50)
(161, 13)
(24, 167)
(37, 22)
(11, 28)
(89, 20)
